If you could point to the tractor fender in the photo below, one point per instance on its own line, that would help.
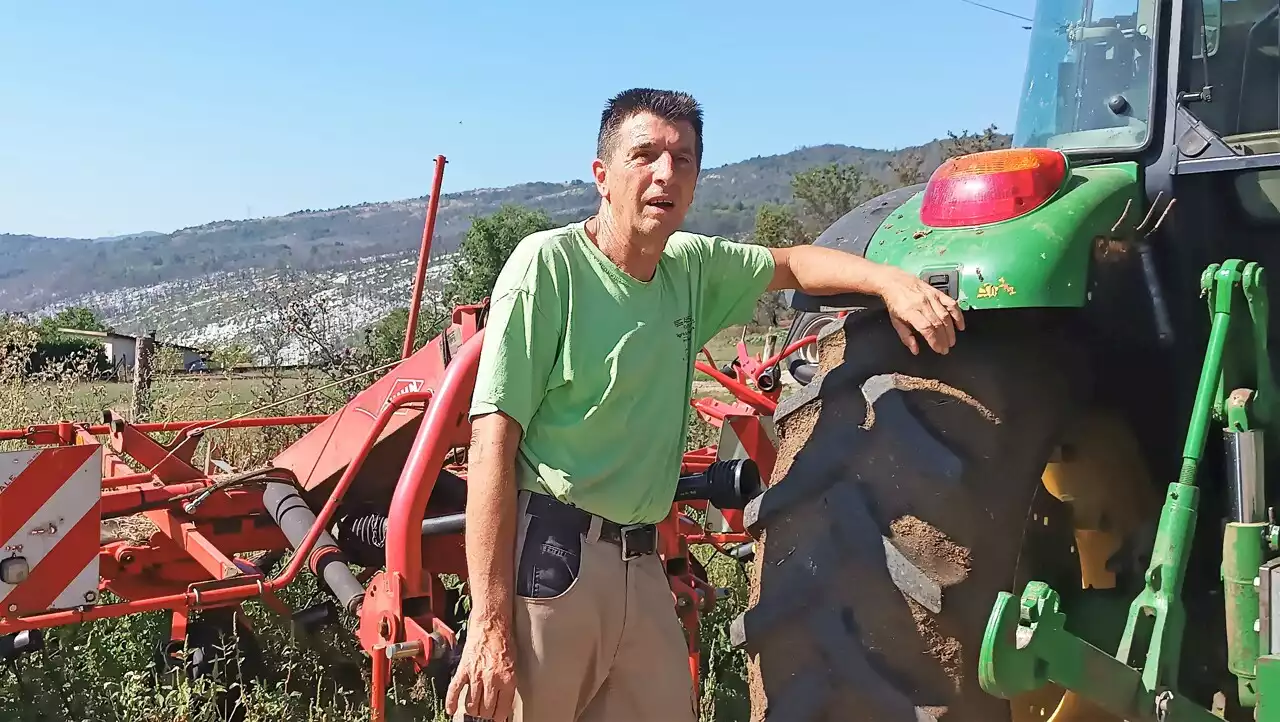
(1040, 259)
(1045, 258)
(852, 233)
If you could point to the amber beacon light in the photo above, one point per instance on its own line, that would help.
(991, 186)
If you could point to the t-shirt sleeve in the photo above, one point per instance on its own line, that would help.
(733, 277)
(521, 341)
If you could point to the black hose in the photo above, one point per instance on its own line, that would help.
(295, 519)
(803, 371)
(727, 484)
(447, 524)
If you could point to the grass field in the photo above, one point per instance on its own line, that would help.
(103, 670)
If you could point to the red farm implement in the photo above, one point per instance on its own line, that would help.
(371, 500)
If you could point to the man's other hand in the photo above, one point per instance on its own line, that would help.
(487, 670)
(914, 304)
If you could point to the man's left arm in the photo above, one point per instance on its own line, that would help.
(911, 302)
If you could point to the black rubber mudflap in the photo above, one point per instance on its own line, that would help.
(898, 509)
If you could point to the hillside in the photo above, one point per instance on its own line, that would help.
(206, 284)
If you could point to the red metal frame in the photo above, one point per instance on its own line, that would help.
(192, 561)
(424, 256)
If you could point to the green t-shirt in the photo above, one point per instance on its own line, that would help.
(597, 367)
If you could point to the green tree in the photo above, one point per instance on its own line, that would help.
(384, 341)
(966, 142)
(486, 247)
(827, 192)
(71, 354)
(906, 169)
(233, 354)
(82, 318)
(778, 227)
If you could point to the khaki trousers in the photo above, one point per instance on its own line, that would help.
(597, 638)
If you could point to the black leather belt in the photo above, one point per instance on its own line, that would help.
(636, 540)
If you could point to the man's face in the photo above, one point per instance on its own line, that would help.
(650, 178)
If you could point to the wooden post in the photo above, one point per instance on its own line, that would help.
(143, 347)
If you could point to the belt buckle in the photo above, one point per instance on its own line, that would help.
(624, 533)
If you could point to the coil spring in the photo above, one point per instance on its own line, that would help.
(364, 537)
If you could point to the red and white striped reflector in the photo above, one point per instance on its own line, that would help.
(50, 517)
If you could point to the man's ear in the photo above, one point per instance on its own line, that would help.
(599, 173)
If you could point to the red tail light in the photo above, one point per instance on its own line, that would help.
(991, 186)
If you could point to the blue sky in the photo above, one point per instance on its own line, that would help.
(124, 117)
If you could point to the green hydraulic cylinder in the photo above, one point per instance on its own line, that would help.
(1244, 550)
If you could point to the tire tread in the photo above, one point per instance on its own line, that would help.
(846, 604)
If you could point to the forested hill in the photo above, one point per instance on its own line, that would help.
(36, 272)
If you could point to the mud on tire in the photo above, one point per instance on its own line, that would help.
(899, 507)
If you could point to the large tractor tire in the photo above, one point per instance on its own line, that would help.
(907, 493)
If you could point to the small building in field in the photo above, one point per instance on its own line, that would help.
(120, 350)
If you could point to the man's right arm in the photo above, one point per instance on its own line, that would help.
(487, 668)
(521, 341)
(491, 502)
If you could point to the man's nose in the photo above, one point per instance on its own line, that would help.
(664, 167)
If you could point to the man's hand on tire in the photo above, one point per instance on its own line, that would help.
(487, 670)
(914, 304)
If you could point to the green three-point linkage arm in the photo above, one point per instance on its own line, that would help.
(1157, 615)
(1026, 645)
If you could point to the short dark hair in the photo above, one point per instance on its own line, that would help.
(670, 105)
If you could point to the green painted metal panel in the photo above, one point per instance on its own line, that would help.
(1244, 549)
(1040, 259)
(1268, 709)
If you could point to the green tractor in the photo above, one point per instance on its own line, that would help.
(1009, 532)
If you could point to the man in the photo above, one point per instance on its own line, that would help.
(579, 418)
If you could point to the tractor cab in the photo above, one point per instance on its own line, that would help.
(1110, 79)
(1188, 92)
(1185, 87)
(1088, 79)
(1095, 79)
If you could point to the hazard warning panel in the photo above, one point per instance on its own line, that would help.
(50, 514)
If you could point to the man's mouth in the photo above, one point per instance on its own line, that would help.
(660, 203)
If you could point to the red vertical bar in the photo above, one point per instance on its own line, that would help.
(378, 691)
(446, 414)
(424, 253)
